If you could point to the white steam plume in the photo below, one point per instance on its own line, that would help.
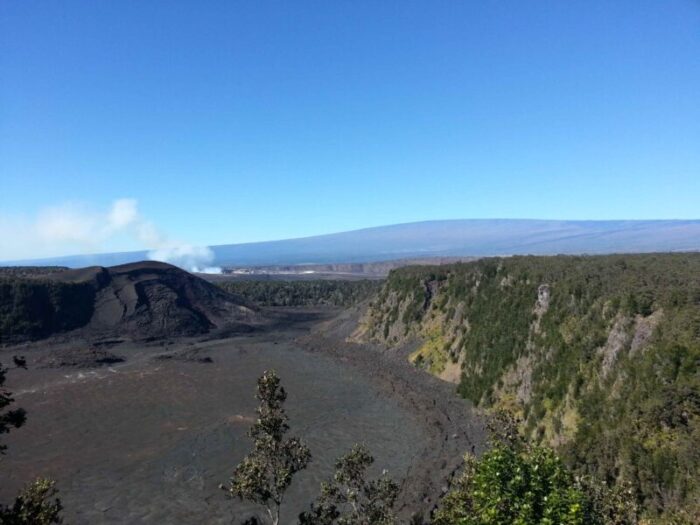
(71, 228)
(192, 258)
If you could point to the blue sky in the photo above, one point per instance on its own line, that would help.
(241, 121)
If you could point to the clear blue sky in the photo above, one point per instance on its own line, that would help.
(240, 121)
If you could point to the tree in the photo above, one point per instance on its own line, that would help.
(349, 499)
(517, 483)
(33, 506)
(9, 419)
(607, 505)
(507, 486)
(265, 474)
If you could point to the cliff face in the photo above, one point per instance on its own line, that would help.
(31, 309)
(600, 356)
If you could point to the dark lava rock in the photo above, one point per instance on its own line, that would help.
(191, 355)
(78, 358)
(140, 301)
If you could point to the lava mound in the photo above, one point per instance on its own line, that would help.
(137, 301)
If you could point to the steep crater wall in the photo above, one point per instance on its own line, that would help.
(599, 355)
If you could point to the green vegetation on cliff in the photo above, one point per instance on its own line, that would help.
(599, 355)
(303, 293)
(515, 482)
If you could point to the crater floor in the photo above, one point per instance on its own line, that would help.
(149, 440)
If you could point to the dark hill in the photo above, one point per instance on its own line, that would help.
(144, 300)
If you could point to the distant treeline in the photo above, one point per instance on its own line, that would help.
(35, 308)
(29, 271)
(303, 293)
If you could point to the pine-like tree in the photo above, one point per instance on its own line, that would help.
(350, 499)
(265, 474)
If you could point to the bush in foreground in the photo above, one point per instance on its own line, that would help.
(37, 503)
(519, 484)
(350, 499)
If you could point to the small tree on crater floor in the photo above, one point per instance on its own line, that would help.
(265, 474)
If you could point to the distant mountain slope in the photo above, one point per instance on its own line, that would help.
(469, 237)
(136, 301)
